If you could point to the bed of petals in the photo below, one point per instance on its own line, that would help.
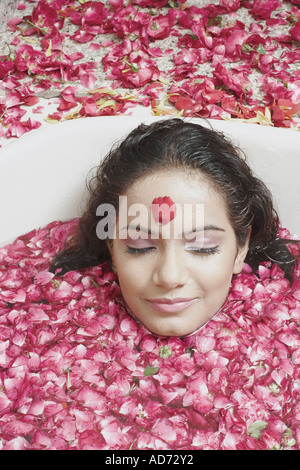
(228, 59)
(77, 372)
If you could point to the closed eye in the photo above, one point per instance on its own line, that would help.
(138, 251)
(195, 250)
(204, 251)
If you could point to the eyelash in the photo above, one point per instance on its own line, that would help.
(206, 251)
(137, 251)
(199, 251)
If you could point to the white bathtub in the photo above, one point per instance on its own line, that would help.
(43, 174)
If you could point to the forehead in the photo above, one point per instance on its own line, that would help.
(182, 186)
(198, 203)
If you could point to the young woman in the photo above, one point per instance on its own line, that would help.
(174, 284)
(184, 346)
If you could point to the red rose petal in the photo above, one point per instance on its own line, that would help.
(163, 209)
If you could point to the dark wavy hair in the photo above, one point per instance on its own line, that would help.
(175, 143)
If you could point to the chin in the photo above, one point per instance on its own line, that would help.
(172, 330)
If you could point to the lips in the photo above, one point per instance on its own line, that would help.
(171, 305)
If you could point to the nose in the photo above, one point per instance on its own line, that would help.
(170, 271)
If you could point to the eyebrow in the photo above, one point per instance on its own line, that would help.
(195, 230)
(206, 228)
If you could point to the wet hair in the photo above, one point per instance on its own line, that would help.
(178, 144)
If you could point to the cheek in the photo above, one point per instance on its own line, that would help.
(128, 288)
(132, 277)
(216, 274)
(216, 288)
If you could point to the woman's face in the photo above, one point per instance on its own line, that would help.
(175, 275)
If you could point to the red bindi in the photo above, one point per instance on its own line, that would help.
(163, 209)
